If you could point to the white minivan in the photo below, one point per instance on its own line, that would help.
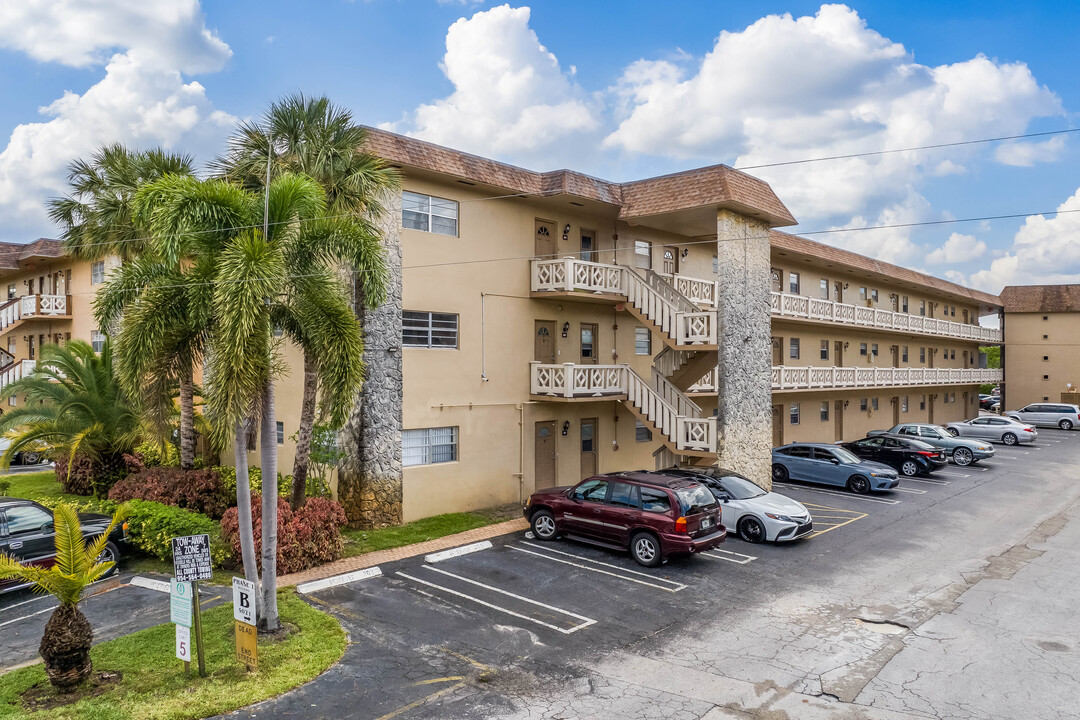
(1059, 415)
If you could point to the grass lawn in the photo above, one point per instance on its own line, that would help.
(358, 542)
(154, 685)
(39, 485)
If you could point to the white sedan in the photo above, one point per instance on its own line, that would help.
(749, 510)
(996, 429)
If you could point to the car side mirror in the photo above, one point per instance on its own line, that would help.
(576, 498)
(47, 527)
(834, 461)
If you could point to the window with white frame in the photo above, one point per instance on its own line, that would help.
(874, 295)
(874, 351)
(824, 349)
(904, 353)
(922, 308)
(642, 433)
(430, 214)
(873, 403)
(794, 348)
(642, 341)
(823, 288)
(904, 404)
(715, 265)
(642, 254)
(904, 303)
(863, 403)
(793, 283)
(97, 340)
(12, 401)
(862, 348)
(922, 402)
(824, 411)
(280, 432)
(922, 355)
(97, 273)
(429, 329)
(11, 291)
(794, 413)
(427, 446)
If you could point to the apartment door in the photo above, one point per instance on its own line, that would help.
(895, 303)
(838, 291)
(838, 423)
(777, 425)
(776, 279)
(777, 351)
(671, 260)
(895, 410)
(588, 247)
(589, 333)
(544, 341)
(544, 474)
(588, 447)
(30, 347)
(965, 358)
(930, 408)
(838, 353)
(895, 356)
(930, 356)
(546, 245)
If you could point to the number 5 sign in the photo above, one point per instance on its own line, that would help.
(183, 643)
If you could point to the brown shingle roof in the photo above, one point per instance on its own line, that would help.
(715, 185)
(794, 243)
(1041, 298)
(12, 253)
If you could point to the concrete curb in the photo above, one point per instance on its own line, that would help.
(384, 556)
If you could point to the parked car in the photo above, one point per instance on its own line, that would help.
(756, 514)
(961, 450)
(1059, 415)
(653, 515)
(909, 456)
(21, 458)
(831, 465)
(987, 402)
(998, 429)
(26, 534)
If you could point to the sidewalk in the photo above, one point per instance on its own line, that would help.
(406, 551)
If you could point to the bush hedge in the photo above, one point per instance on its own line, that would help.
(228, 482)
(152, 526)
(308, 537)
(154, 454)
(198, 490)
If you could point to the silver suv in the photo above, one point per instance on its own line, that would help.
(1048, 415)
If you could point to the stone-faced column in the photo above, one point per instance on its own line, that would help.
(370, 477)
(744, 401)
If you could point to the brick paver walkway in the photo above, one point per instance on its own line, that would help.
(383, 556)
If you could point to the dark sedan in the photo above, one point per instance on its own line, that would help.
(909, 457)
(26, 534)
(987, 402)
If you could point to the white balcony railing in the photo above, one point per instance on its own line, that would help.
(17, 371)
(672, 414)
(802, 307)
(29, 306)
(814, 378)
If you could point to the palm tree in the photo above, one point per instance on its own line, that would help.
(99, 219)
(65, 644)
(74, 406)
(312, 136)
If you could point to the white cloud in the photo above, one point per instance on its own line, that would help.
(1045, 250)
(141, 100)
(510, 94)
(792, 88)
(957, 249)
(1026, 154)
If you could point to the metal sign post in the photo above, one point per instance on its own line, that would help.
(191, 563)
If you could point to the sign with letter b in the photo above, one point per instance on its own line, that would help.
(243, 599)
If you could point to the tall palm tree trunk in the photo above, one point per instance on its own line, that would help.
(269, 462)
(243, 509)
(307, 427)
(187, 420)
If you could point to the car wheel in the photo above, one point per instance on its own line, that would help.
(961, 456)
(953, 431)
(1009, 439)
(858, 484)
(1065, 425)
(779, 473)
(111, 553)
(543, 525)
(646, 549)
(751, 530)
(30, 458)
(910, 468)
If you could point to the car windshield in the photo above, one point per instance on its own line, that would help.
(740, 488)
(694, 499)
(846, 456)
(935, 432)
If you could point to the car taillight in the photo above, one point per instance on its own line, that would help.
(125, 527)
(1029, 429)
(680, 525)
(927, 453)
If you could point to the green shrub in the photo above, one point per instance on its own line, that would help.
(5, 487)
(228, 482)
(154, 454)
(152, 526)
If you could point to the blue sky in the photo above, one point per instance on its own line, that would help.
(620, 90)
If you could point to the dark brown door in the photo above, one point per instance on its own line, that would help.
(671, 260)
(588, 247)
(838, 412)
(30, 347)
(838, 353)
(930, 356)
(930, 408)
(547, 245)
(545, 455)
(589, 349)
(777, 351)
(895, 356)
(777, 425)
(589, 444)
(776, 279)
(895, 411)
(544, 341)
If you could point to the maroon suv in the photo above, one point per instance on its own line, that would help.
(651, 514)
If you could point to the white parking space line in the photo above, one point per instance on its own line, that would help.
(585, 622)
(39, 598)
(151, 584)
(913, 491)
(669, 586)
(316, 585)
(25, 617)
(929, 481)
(834, 493)
(732, 557)
(457, 552)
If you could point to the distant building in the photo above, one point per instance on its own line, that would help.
(1042, 352)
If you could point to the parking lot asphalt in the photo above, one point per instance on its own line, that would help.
(526, 629)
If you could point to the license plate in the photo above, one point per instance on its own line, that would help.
(706, 523)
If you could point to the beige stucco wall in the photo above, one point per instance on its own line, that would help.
(1028, 376)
